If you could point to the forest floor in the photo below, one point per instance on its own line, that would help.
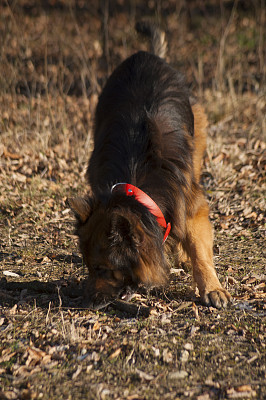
(54, 60)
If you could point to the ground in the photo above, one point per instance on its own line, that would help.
(54, 59)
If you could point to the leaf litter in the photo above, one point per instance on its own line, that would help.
(52, 348)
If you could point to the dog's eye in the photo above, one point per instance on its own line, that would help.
(103, 272)
(100, 269)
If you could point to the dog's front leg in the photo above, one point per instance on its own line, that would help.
(199, 246)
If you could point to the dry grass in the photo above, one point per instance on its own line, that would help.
(54, 60)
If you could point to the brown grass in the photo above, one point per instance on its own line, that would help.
(53, 62)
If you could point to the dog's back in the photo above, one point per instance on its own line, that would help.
(143, 125)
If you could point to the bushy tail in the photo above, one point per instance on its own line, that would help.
(158, 44)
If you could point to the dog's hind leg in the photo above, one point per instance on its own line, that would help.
(199, 244)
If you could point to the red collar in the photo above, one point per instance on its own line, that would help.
(144, 199)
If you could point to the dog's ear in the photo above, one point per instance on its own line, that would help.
(120, 229)
(123, 231)
(81, 208)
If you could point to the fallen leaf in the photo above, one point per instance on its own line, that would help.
(177, 375)
(77, 372)
(96, 326)
(13, 156)
(241, 392)
(10, 273)
(243, 388)
(7, 354)
(37, 356)
(13, 310)
(115, 353)
(8, 395)
(144, 375)
(167, 356)
(204, 396)
(189, 346)
(184, 356)
(24, 371)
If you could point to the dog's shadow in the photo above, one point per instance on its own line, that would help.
(63, 292)
(68, 293)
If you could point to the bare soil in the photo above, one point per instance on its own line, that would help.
(54, 59)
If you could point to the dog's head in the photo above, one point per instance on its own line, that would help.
(122, 246)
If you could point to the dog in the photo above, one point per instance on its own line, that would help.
(145, 201)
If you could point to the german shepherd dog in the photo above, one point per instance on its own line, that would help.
(145, 203)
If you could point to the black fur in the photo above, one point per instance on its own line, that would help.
(128, 144)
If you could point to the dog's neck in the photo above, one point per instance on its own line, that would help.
(143, 198)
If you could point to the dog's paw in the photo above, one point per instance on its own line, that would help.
(218, 298)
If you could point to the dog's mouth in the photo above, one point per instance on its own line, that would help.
(99, 300)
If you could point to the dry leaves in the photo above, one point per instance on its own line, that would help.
(53, 65)
(241, 392)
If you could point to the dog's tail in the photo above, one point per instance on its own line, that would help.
(158, 44)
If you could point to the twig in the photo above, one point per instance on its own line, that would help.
(130, 308)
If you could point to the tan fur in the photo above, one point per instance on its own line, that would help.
(149, 274)
(200, 125)
(199, 236)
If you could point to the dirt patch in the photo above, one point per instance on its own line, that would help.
(55, 57)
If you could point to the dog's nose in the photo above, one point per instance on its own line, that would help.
(96, 303)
